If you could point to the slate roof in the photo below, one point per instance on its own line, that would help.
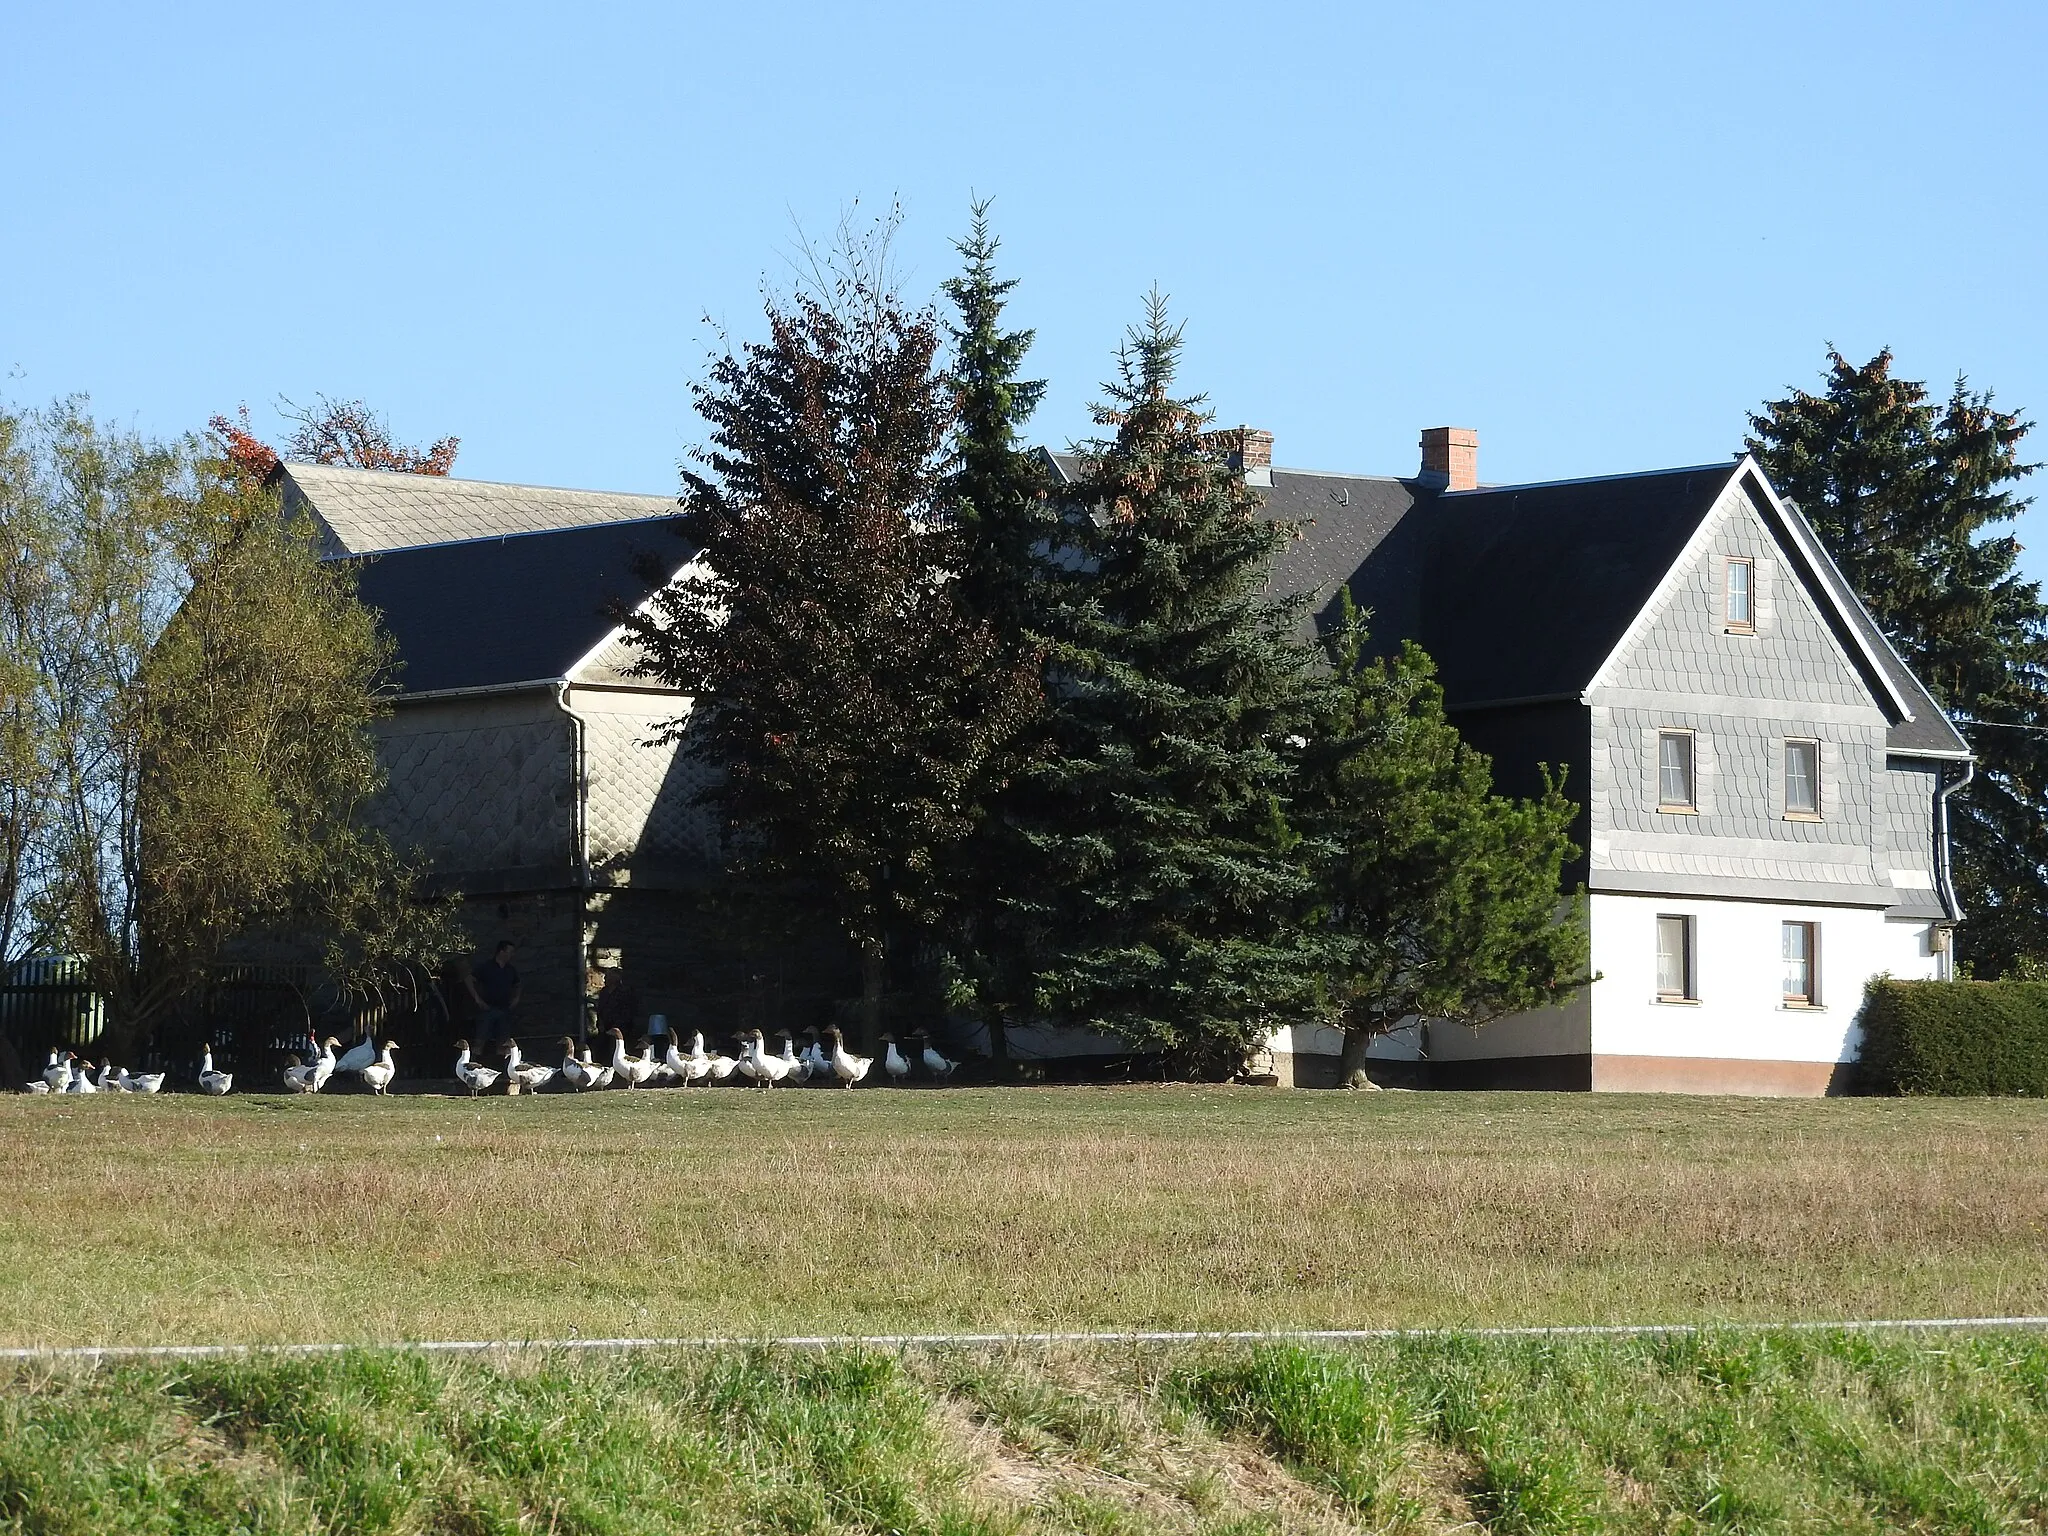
(362, 511)
(1519, 592)
(1527, 588)
(523, 608)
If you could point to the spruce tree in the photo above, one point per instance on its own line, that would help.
(998, 494)
(1177, 686)
(1909, 495)
(1434, 896)
(848, 701)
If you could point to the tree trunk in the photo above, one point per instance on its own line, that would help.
(871, 954)
(1357, 1039)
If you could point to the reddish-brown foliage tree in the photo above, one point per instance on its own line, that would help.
(350, 434)
(248, 458)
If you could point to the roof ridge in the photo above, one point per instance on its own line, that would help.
(1728, 466)
(291, 467)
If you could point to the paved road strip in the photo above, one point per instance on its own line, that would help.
(988, 1340)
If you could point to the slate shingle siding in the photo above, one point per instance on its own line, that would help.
(480, 784)
(641, 795)
(1909, 814)
(1743, 696)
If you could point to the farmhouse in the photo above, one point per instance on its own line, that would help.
(1763, 782)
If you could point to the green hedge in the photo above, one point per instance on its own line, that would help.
(1956, 1037)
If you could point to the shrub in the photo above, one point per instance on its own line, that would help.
(1956, 1037)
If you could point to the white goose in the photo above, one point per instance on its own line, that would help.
(892, 1062)
(814, 1055)
(600, 1076)
(110, 1081)
(723, 1067)
(846, 1066)
(799, 1068)
(359, 1055)
(81, 1079)
(298, 1076)
(210, 1081)
(140, 1082)
(380, 1072)
(574, 1072)
(529, 1074)
(697, 1065)
(57, 1075)
(473, 1077)
(35, 1085)
(634, 1070)
(934, 1063)
(675, 1064)
(768, 1070)
(323, 1064)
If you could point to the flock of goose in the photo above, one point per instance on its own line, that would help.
(823, 1059)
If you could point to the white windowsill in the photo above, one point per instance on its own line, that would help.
(1676, 1002)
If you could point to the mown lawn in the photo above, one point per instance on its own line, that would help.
(1757, 1432)
(260, 1218)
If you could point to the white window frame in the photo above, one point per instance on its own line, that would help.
(1811, 998)
(1691, 804)
(1733, 625)
(1688, 991)
(1812, 747)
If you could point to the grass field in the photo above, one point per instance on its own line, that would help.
(261, 1218)
(1756, 1433)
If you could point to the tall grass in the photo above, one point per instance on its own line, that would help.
(265, 1219)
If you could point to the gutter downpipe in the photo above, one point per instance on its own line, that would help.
(580, 820)
(1942, 869)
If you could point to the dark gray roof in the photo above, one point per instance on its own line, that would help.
(1527, 588)
(522, 608)
(1520, 592)
(1929, 731)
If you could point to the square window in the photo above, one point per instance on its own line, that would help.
(1802, 778)
(1674, 959)
(1674, 770)
(1801, 947)
(1739, 590)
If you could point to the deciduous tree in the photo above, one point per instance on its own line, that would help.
(848, 700)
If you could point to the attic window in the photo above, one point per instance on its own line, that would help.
(1739, 595)
(1674, 771)
(1802, 780)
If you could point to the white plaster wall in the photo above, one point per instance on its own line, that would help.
(1562, 1031)
(1739, 972)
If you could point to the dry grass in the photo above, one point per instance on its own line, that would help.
(268, 1219)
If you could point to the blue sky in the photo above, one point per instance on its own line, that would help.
(1597, 233)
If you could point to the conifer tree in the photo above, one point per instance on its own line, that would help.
(1910, 496)
(848, 701)
(1177, 686)
(1007, 526)
(1434, 896)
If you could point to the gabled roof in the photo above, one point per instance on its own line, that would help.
(1528, 588)
(363, 511)
(1520, 592)
(491, 613)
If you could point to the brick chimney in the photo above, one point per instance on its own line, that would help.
(1248, 451)
(1450, 457)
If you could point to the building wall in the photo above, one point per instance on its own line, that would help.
(1743, 696)
(482, 784)
(1739, 978)
(643, 819)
